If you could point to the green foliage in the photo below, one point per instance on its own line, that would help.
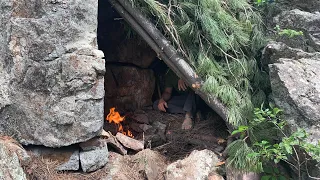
(273, 173)
(238, 157)
(288, 32)
(263, 2)
(219, 39)
(267, 140)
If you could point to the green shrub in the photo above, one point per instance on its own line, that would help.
(266, 141)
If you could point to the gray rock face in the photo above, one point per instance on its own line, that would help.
(305, 5)
(296, 89)
(294, 66)
(51, 75)
(307, 22)
(199, 165)
(10, 168)
(94, 159)
(72, 164)
(276, 50)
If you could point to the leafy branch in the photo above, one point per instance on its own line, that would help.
(268, 142)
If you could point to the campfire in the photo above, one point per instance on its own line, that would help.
(122, 138)
(116, 118)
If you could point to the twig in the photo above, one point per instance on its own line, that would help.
(308, 171)
(298, 161)
(159, 147)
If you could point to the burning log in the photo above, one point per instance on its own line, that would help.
(130, 142)
(114, 117)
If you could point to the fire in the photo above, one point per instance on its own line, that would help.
(114, 117)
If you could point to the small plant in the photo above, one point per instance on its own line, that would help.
(263, 2)
(288, 32)
(265, 141)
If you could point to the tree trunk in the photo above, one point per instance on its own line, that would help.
(168, 54)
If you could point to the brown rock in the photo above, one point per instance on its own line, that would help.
(113, 142)
(145, 127)
(152, 165)
(130, 142)
(128, 88)
(141, 118)
(136, 127)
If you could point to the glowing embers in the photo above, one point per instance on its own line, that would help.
(114, 117)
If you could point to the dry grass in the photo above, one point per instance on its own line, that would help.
(204, 135)
(43, 168)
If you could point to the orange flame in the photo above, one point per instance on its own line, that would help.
(114, 117)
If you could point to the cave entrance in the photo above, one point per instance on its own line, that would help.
(133, 81)
(130, 78)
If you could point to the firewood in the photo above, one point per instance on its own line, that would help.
(130, 142)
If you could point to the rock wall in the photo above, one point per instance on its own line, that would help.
(308, 23)
(296, 89)
(51, 73)
(294, 65)
(129, 88)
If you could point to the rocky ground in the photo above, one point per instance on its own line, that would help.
(184, 154)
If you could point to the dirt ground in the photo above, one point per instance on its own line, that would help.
(209, 133)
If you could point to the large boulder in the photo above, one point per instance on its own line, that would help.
(51, 73)
(296, 89)
(199, 165)
(276, 50)
(146, 164)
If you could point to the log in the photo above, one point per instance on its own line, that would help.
(168, 54)
(130, 142)
(113, 142)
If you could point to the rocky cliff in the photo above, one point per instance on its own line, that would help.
(51, 73)
(294, 64)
